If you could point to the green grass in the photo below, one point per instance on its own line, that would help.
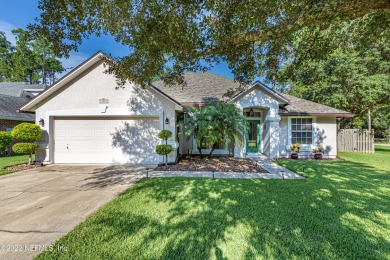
(11, 160)
(340, 211)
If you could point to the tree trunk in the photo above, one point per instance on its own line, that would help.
(200, 152)
(212, 150)
(30, 159)
(166, 160)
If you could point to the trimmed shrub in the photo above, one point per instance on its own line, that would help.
(164, 149)
(30, 133)
(164, 134)
(27, 131)
(5, 140)
(24, 148)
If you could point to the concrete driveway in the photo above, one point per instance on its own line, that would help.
(40, 205)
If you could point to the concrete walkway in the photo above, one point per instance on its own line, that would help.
(275, 168)
(38, 206)
(275, 171)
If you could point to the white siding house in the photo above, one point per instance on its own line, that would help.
(87, 118)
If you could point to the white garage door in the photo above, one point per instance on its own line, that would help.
(103, 140)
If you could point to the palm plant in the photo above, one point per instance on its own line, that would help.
(215, 123)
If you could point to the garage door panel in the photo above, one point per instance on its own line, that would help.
(106, 140)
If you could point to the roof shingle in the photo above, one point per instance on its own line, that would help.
(9, 105)
(298, 106)
(201, 87)
(15, 89)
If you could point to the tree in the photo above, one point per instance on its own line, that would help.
(26, 132)
(351, 78)
(6, 140)
(164, 149)
(30, 60)
(214, 124)
(194, 35)
(6, 50)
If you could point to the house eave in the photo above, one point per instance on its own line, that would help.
(339, 115)
(17, 119)
(281, 99)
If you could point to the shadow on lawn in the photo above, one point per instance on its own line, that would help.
(334, 214)
(340, 211)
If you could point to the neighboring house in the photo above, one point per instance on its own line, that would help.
(87, 118)
(12, 96)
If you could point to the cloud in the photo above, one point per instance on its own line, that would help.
(6, 28)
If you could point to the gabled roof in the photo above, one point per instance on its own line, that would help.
(8, 107)
(274, 94)
(200, 88)
(302, 107)
(16, 89)
(29, 106)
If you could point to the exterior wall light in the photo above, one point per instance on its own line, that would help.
(41, 122)
(166, 121)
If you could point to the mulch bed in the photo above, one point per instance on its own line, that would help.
(217, 164)
(22, 167)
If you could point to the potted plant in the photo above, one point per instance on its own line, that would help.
(318, 153)
(295, 148)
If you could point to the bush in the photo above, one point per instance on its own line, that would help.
(164, 149)
(5, 140)
(164, 134)
(24, 148)
(27, 131)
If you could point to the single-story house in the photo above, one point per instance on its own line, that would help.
(12, 96)
(87, 118)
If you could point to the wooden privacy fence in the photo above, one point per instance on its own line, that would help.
(355, 140)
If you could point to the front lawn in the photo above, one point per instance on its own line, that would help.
(340, 211)
(11, 160)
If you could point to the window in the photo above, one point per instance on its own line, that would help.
(302, 130)
(8, 129)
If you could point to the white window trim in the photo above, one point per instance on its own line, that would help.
(314, 139)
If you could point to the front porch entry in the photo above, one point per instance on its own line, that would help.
(253, 137)
(253, 131)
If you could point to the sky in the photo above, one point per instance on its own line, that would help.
(19, 13)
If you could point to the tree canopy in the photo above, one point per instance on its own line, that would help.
(170, 37)
(351, 78)
(29, 60)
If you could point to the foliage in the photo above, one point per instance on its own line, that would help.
(27, 131)
(295, 148)
(164, 134)
(24, 148)
(318, 150)
(338, 212)
(5, 140)
(351, 78)
(168, 38)
(11, 160)
(215, 123)
(30, 61)
(164, 149)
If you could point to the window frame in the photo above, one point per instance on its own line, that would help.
(314, 126)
